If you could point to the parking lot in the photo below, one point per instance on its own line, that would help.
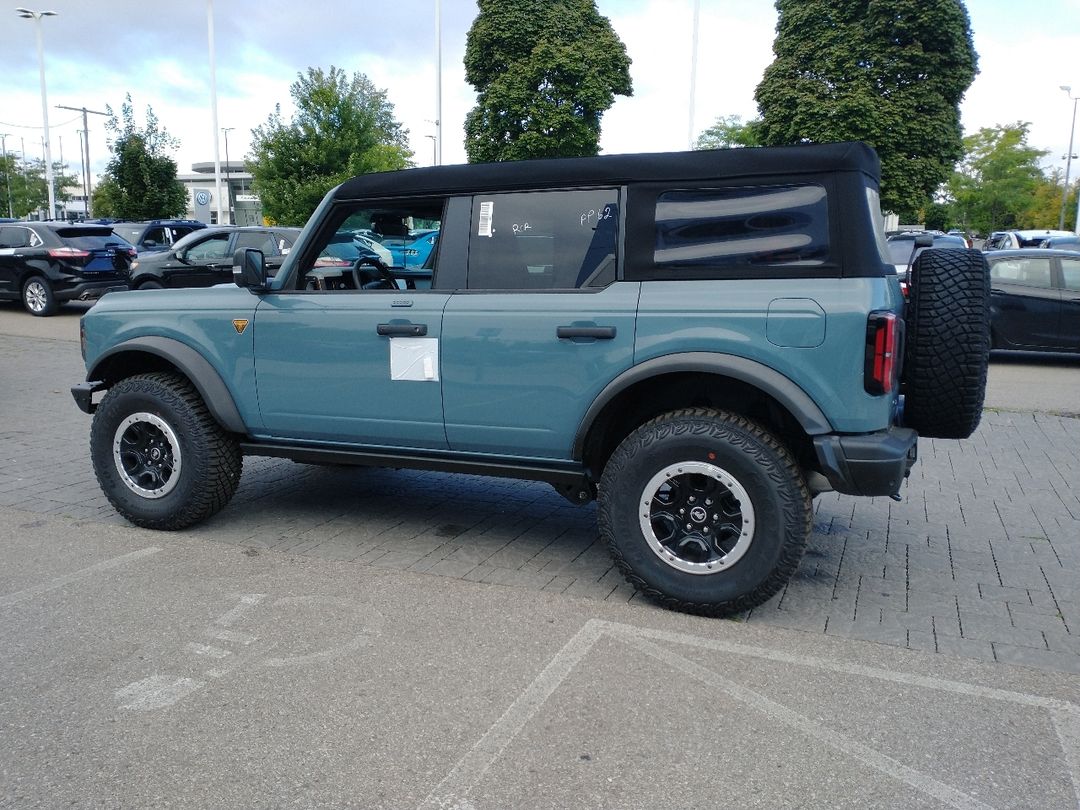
(310, 636)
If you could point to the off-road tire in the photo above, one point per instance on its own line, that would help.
(150, 284)
(756, 460)
(209, 460)
(38, 297)
(948, 343)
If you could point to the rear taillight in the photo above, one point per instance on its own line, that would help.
(68, 253)
(882, 330)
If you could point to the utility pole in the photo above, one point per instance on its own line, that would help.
(86, 161)
(228, 177)
(7, 173)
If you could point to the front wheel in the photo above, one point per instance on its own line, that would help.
(161, 459)
(704, 511)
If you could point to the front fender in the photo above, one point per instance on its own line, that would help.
(109, 367)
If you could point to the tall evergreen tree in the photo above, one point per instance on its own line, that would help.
(891, 73)
(342, 127)
(140, 179)
(545, 71)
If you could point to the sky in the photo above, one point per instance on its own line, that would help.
(97, 51)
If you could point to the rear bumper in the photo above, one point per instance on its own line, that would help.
(870, 463)
(88, 290)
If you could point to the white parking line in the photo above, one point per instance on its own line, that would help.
(451, 793)
(75, 576)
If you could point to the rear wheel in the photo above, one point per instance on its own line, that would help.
(161, 459)
(948, 343)
(704, 511)
(38, 297)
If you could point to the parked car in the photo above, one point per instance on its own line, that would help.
(47, 263)
(205, 257)
(701, 341)
(157, 234)
(1035, 300)
(1061, 242)
(411, 251)
(962, 235)
(1013, 240)
(903, 251)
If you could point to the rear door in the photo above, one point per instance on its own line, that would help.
(1025, 307)
(542, 326)
(1070, 304)
(14, 240)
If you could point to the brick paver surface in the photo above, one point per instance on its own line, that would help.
(981, 559)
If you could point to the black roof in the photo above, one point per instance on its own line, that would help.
(617, 169)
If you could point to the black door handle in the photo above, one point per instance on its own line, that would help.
(402, 329)
(596, 332)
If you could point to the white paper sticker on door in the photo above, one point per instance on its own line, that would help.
(414, 359)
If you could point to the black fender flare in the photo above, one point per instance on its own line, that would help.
(766, 379)
(219, 400)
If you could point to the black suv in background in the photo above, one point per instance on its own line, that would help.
(205, 257)
(156, 234)
(47, 263)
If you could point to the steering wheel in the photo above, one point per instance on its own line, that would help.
(381, 279)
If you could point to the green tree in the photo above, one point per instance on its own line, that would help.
(28, 187)
(728, 132)
(545, 71)
(341, 128)
(140, 179)
(995, 183)
(891, 73)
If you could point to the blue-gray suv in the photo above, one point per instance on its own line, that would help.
(700, 341)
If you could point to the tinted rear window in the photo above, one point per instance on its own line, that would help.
(91, 238)
(755, 225)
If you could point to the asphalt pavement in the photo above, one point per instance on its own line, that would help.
(367, 638)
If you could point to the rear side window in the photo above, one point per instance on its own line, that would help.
(748, 225)
(543, 240)
(1070, 273)
(1030, 272)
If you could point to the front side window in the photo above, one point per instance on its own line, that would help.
(751, 225)
(388, 246)
(214, 247)
(543, 240)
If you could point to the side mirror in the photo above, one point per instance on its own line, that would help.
(924, 240)
(249, 269)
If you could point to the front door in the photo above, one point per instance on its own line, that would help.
(1025, 306)
(355, 366)
(343, 353)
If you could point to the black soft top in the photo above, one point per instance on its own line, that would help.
(726, 164)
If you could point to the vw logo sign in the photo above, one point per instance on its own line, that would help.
(202, 197)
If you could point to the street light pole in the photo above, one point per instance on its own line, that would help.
(228, 177)
(7, 173)
(1068, 159)
(36, 16)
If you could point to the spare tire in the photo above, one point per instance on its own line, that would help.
(948, 343)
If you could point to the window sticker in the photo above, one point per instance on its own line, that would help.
(414, 359)
(487, 211)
